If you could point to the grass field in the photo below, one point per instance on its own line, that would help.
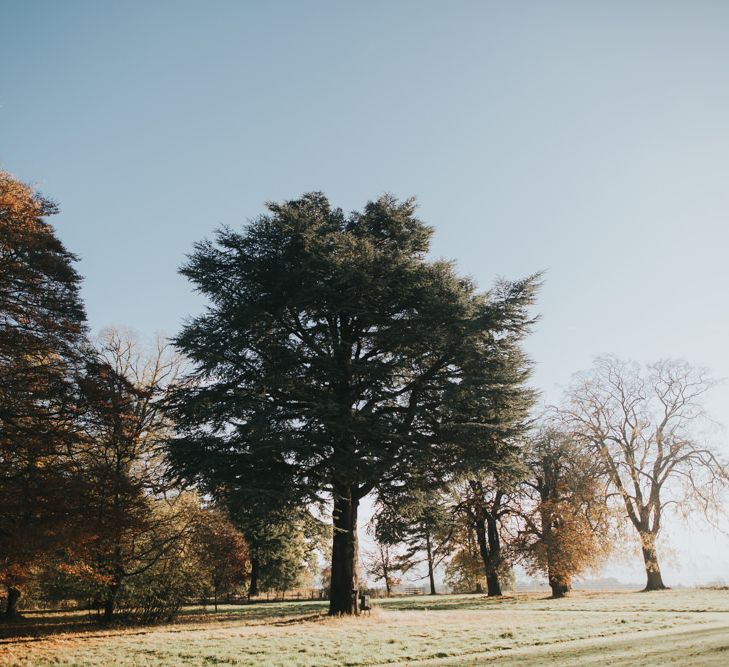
(673, 627)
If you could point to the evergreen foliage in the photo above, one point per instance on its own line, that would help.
(334, 358)
(42, 336)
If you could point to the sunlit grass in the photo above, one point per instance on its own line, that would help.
(442, 628)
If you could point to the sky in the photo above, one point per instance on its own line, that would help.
(587, 140)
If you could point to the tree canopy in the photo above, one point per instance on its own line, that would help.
(564, 515)
(334, 358)
(42, 335)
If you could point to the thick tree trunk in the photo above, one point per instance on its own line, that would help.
(255, 571)
(654, 580)
(559, 585)
(493, 585)
(344, 585)
(109, 605)
(111, 598)
(431, 573)
(489, 547)
(494, 562)
(11, 609)
(559, 582)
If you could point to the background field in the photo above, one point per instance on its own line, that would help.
(671, 627)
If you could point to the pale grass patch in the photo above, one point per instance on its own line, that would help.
(439, 629)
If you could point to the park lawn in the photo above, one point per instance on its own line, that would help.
(445, 630)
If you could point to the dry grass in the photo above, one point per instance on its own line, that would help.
(447, 630)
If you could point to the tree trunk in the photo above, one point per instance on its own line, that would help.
(493, 585)
(558, 582)
(486, 540)
(109, 605)
(388, 585)
(111, 597)
(344, 584)
(559, 585)
(431, 574)
(494, 561)
(11, 610)
(654, 580)
(255, 570)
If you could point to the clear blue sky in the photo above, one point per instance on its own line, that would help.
(589, 139)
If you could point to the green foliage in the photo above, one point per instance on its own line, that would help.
(331, 350)
(284, 542)
(288, 557)
(421, 522)
(157, 592)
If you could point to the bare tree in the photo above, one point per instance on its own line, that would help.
(122, 461)
(642, 424)
(382, 563)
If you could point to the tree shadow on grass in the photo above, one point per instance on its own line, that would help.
(39, 624)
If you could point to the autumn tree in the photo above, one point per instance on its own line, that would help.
(163, 570)
(222, 552)
(564, 513)
(42, 334)
(641, 423)
(333, 357)
(464, 572)
(193, 551)
(486, 509)
(120, 458)
(283, 537)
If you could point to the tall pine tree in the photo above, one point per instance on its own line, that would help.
(42, 331)
(334, 357)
